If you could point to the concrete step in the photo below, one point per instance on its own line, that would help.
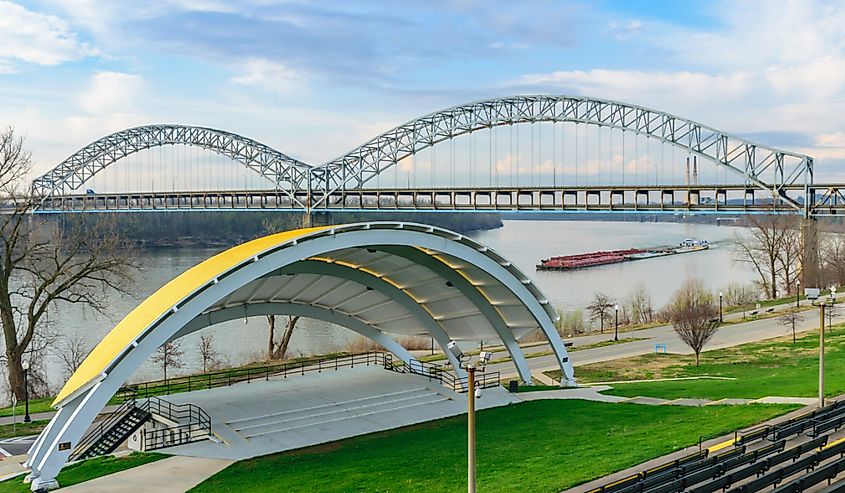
(344, 418)
(327, 407)
(329, 414)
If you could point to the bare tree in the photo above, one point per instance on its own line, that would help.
(741, 295)
(770, 249)
(833, 247)
(208, 353)
(599, 308)
(791, 256)
(168, 356)
(44, 261)
(278, 350)
(638, 304)
(790, 319)
(694, 315)
(73, 349)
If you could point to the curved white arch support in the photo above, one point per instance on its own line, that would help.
(471, 292)
(188, 298)
(297, 309)
(434, 328)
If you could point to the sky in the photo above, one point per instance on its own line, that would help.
(315, 79)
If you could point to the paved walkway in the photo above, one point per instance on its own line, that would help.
(595, 394)
(727, 336)
(171, 475)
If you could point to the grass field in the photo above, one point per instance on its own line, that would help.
(35, 406)
(86, 470)
(23, 429)
(538, 446)
(769, 368)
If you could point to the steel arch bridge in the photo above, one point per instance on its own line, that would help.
(767, 179)
(72, 173)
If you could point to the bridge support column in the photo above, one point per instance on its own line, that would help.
(312, 219)
(810, 270)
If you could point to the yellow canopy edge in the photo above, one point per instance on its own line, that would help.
(134, 324)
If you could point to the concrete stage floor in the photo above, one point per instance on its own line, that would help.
(263, 417)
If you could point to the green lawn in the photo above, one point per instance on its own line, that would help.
(778, 368)
(538, 446)
(35, 406)
(23, 429)
(87, 470)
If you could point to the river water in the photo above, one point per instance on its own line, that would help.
(522, 242)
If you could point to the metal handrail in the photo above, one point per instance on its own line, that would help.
(102, 427)
(444, 376)
(190, 418)
(225, 378)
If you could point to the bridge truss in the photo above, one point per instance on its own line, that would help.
(764, 178)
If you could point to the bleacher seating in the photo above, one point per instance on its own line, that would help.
(750, 466)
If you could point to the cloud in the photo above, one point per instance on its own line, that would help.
(274, 76)
(34, 38)
(641, 86)
(111, 92)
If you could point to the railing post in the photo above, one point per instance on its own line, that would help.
(335, 363)
(267, 375)
(248, 372)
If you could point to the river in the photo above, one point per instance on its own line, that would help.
(522, 242)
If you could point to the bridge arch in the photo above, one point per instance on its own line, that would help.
(364, 276)
(744, 158)
(82, 165)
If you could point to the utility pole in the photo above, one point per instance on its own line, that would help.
(821, 354)
(471, 428)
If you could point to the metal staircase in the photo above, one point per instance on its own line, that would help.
(111, 432)
(187, 423)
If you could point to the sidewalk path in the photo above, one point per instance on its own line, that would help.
(171, 475)
(594, 394)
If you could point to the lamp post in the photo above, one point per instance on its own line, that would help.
(472, 394)
(616, 327)
(822, 303)
(832, 301)
(26, 417)
(471, 428)
(798, 293)
(821, 354)
(720, 308)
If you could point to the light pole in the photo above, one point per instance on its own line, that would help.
(472, 394)
(26, 417)
(821, 354)
(822, 303)
(830, 310)
(616, 327)
(798, 293)
(720, 307)
(471, 429)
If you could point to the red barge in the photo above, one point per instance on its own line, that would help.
(593, 259)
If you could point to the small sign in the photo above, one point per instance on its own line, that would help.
(64, 446)
(811, 293)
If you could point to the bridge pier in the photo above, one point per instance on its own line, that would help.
(311, 219)
(810, 238)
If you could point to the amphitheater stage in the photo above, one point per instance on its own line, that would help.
(259, 418)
